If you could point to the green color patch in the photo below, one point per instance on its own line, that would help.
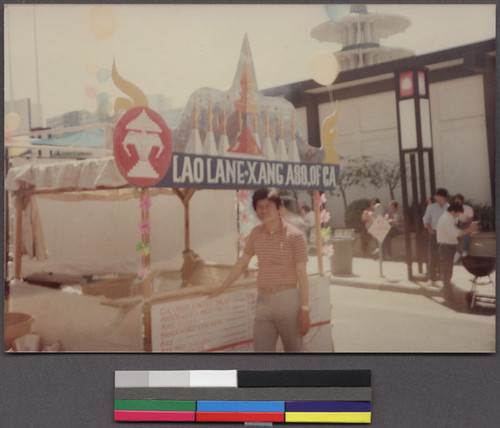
(163, 405)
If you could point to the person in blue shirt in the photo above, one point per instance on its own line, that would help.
(432, 214)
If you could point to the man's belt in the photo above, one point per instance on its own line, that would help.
(275, 288)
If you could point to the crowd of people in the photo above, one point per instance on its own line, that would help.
(445, 223)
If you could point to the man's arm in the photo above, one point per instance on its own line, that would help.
(304, 320)
(233, 275)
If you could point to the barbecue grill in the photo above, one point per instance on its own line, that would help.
(480, 267)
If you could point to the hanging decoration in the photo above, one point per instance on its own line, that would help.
(325, 231)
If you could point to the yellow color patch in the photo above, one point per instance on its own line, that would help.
(335, 417)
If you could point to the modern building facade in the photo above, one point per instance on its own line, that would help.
(462, 108)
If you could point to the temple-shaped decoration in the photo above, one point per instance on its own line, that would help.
(245, 122)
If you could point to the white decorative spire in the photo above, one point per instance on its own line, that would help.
(281, 152)
(209, 147)
(224, 141)
(194, 144)
(267, 145)
(294, 150)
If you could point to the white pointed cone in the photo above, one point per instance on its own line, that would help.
(194, 144)
(268, 149)
(293, 154)
(209, 146)
(281, 152)
(223, 145)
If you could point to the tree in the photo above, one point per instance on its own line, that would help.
(383, 172)
(352, 173)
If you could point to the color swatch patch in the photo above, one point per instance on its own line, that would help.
(281, 396)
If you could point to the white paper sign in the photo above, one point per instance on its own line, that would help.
(379, 228)
(225, 323)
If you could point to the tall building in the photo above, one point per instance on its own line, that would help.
(360, 32)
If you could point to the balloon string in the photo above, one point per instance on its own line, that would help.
(330, 95)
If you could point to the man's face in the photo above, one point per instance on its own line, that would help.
(441, 200)
(458, 201)
(393, 208)
(266, 210)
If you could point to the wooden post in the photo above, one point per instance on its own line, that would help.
(185, 196)
(319, 241)
(19, 237)
(146, 258)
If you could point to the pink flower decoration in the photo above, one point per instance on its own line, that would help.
(143, 272)
(244, 217)
(145, 226)
(145, 203)
(324, 216)
(243, 195)
(328, 250)
(321, 199)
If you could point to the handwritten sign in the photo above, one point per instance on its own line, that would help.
(225, 323)
(379, 228)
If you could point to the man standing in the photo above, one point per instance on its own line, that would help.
(464, 221)
(282, 307)
(396, 220)
(432, 214)
(447, 237)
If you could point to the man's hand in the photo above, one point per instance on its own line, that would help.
(214, 291)
(304, 322)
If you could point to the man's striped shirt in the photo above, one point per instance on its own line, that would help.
(277, 254)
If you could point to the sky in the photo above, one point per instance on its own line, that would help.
(175, 49)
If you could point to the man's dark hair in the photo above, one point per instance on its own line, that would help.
(456, 208)
(460, 197)
(442, 192)
(270, 193)
(376, 200)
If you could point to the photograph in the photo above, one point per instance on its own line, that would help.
(249, 178)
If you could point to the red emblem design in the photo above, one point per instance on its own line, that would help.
(142, 146)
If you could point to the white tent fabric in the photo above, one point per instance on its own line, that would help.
(86, 174)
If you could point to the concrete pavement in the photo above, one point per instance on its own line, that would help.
(366, 273)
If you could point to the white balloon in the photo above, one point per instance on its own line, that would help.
(324, 68)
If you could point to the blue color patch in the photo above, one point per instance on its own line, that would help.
(240, 406)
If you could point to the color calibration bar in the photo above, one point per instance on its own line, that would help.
(281, 396)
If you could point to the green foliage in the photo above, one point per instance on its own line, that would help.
(352, 216)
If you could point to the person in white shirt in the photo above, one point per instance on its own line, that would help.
(432, 214)
(464, 221)
(447, 234)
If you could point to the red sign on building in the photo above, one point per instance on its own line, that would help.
(142, 146)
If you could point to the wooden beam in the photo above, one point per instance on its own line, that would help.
(19, 238)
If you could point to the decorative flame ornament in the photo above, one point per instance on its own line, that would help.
(328, 135)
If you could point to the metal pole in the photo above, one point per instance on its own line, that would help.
(11, 81)
(36, 58)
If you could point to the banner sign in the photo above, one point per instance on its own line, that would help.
(213, 172)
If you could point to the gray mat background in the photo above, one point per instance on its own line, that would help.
(409, 390)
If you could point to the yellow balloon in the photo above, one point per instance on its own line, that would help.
(11, 123)
(103, 21)
(324, 68)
